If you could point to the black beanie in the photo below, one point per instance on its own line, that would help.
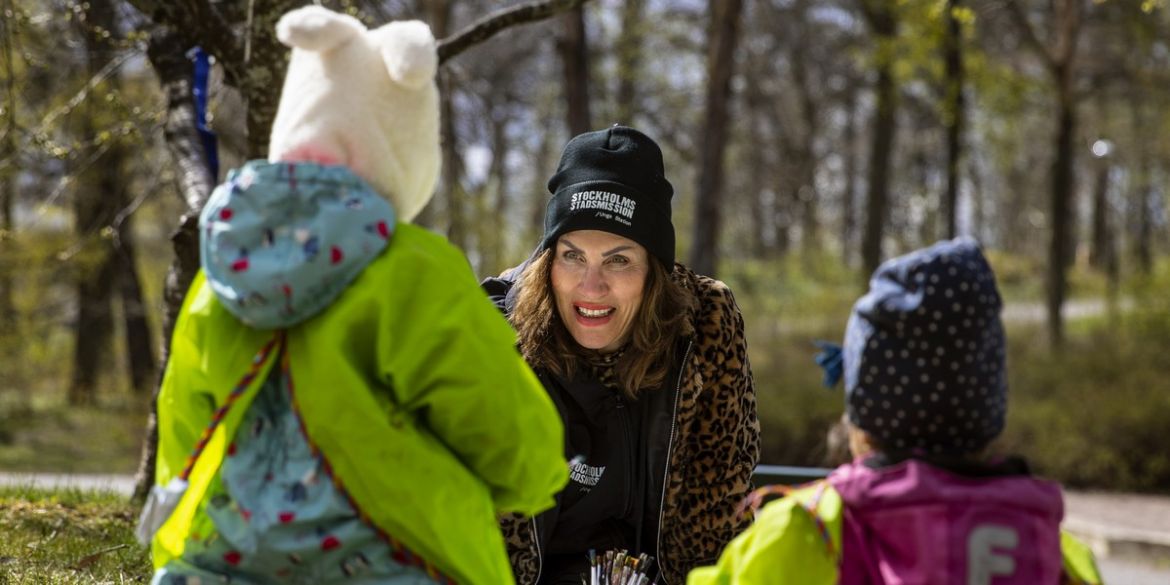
(612, 180)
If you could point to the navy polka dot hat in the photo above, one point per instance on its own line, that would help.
(924, 352)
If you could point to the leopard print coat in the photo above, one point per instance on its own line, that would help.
(712, 455)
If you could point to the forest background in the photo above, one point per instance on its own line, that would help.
(807, 140)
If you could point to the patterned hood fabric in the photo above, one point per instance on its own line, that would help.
(280, 241)
(924, 352)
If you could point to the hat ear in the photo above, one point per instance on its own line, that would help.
(316, 28)
(410, 52)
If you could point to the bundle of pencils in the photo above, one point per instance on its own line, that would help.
(618, 568)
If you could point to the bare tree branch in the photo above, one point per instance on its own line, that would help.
(486, 27)
(1030, 38)
(198, 22)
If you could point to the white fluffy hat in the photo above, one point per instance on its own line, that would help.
(361, 98)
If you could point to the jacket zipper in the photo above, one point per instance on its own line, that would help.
(536, 543)
(630, 454)
(666, 469)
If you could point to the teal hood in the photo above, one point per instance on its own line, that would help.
(280, 241)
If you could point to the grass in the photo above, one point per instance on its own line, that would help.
(67, 537)
(1093, 415)
(48, 435)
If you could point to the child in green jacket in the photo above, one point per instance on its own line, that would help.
(342, 404)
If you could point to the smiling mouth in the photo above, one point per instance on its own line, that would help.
(593, 313)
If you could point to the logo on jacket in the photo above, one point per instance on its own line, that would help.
(584, 474)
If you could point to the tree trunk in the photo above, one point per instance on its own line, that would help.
(756, 103)
(882, 21)
(449, 191)
(806, 190)
(539, 187)
(574, 50)
(1016, 234)
(978, 205)
(166, 53)
(1143, 186)
(495, 246)
(7, 283)
(723, 37)
(1098, 252)
(139, 339)
(629, 60)
(1145, 259)
(8, 166)
(783, 207)
(93, 328)
(265, 61)
(1059, 250)
(955, 114)
(1060, 59)
(849, 196)
(99, 196)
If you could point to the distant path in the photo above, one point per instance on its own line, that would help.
(1128, 572)
(120, 484)
(1030, 312)
(1075, 309)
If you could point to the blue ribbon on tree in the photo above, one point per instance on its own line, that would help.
(831, 359)
(202, 73)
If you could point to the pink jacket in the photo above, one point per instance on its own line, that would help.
(912, 523)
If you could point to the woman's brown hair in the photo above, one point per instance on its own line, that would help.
(545, 342)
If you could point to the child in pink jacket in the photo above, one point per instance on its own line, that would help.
(922, 503)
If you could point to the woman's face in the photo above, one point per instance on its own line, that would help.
(597, 279)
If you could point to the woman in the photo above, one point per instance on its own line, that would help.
(647, 364)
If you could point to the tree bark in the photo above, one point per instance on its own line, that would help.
(574, 49)
(139, 339)
(450, 191)
(849, 196)
(1143, 186)
(93, 328)
(784, 201)
(1100, 238)
(1060, 249)
(629, 58)
(166, 52)
(8, 167)
(99, 196)
(494, 246)
(883, 23)
(723, 38)
(805, 193)
(756, 105)
(955, 114)
(979, 210)
(264, 63)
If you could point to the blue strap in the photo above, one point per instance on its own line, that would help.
(831, 360)
(202, 72)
